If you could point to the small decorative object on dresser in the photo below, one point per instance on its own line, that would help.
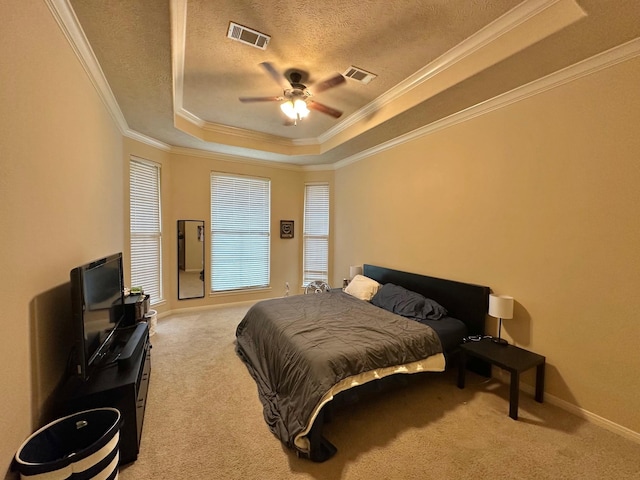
(286, 228)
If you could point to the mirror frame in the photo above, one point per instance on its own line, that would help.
(186, 231)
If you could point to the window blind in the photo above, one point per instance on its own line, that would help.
(316, 233)
(240, 232)
(146, 232)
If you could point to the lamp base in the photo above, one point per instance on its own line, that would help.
(500, 341)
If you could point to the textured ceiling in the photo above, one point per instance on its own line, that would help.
(390, 39)
(176, 76)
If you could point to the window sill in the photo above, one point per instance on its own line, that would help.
(247, 291)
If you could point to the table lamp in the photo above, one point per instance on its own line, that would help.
(354, 270)
(500, 306)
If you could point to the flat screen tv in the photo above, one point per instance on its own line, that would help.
(97, 302)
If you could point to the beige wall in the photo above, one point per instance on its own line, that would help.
(185, 184)
(189, 198)
(538, 200)
(61, 204)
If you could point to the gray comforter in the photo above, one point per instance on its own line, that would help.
(296, 348)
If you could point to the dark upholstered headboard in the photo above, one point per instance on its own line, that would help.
(464, 301)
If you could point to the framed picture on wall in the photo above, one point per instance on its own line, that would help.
(286, 228)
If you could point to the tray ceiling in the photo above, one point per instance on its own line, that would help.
(176, 77)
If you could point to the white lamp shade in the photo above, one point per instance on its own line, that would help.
(287, 109)
(300, 108)
(355, 270)
(295, 109)
(501, 306)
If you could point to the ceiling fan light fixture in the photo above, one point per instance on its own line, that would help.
(295, 109)
(300, 107)
(287, 109)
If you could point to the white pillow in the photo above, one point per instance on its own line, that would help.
(362, 287)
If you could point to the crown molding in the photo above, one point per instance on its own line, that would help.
(203, 128)
(218, 128)
(484, 37)
(178, 41)
(67, 21)
(241, 133)
(70, 26)
(238, 159)
(601, 61)
(142, 138)
(187, 115)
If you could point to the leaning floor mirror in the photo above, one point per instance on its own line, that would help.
(190, 259)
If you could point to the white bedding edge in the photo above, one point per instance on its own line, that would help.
(433, 363)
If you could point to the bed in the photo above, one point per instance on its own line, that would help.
(304, 350)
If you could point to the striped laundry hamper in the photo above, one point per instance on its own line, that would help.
(80, 446)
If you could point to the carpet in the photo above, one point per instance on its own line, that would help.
(204, 421)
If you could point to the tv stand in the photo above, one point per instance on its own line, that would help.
(121, 382)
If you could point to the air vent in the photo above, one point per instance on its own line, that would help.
(248, 36)
(359, 75)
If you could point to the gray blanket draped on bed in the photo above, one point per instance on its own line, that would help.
(296, 348)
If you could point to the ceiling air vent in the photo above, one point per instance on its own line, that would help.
(359, 75)
(248, 36)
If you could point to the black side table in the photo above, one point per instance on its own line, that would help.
(511, 358)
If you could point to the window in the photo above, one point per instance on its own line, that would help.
(240, 232)
(146, 231)
(316, 233)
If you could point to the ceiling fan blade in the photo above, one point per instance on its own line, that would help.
(260, 99)
(334, 81)
(324, 109)
(278, 77)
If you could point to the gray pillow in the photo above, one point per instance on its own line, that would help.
(401, 301)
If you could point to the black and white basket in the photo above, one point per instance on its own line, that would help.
(80, 446)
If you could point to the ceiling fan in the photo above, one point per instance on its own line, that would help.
(296, 97)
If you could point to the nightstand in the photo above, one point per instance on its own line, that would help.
(513, 359)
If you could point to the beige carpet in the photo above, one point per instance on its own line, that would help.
(204, 421)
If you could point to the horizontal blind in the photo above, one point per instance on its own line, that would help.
(240, 232)
(146, 232)
(316, 233)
